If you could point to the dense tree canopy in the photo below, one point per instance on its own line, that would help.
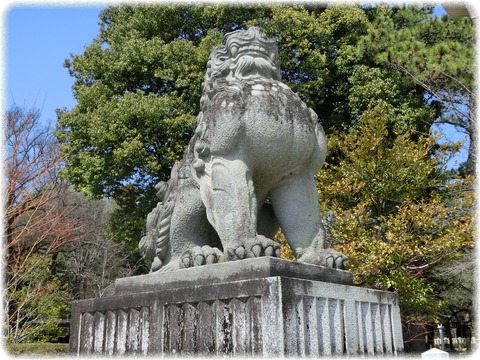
(378, 78)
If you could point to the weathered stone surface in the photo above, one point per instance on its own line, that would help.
(231, 271)
(270, 316)
(249, 169)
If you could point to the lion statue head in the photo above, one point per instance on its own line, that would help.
(245, 54)
(242, 55)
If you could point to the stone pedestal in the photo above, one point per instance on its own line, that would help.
(264, 306)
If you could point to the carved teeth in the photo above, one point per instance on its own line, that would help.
(256, 48)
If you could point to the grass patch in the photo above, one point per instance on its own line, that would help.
(38, 349)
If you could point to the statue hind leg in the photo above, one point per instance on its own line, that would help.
(228, 193)
(295, 203)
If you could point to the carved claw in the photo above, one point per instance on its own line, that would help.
(156, 265)
(211, 259)
(256, 250)
(256, 247)
(272, 251)
(240, 252)
(325, 257)
(235, 253)
(186, 260)
(199, 256)
(262, 246)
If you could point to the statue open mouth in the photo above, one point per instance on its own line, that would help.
(253, 50)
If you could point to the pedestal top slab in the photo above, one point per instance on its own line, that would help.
(231, 271)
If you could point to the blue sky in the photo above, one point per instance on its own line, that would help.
(38, 38)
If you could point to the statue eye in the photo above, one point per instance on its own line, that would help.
(234, 50)
(273, 56)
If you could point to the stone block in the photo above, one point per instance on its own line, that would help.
(277, 313)
(231, 271)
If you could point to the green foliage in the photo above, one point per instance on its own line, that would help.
(432, 49)
(393, 214)
(435, 54)
(387, 171)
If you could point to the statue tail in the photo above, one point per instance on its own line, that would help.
(154, 245)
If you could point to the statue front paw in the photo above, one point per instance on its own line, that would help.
(252, 248)
(199, 256)
(325, 257)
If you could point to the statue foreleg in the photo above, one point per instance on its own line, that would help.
(229, 196)
(295, 203)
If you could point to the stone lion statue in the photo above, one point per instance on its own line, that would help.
(249, 169)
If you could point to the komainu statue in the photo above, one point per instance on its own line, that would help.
(249, 169)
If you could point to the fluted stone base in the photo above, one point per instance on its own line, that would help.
(265, 306)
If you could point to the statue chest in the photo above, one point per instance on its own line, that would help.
(265, 121)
